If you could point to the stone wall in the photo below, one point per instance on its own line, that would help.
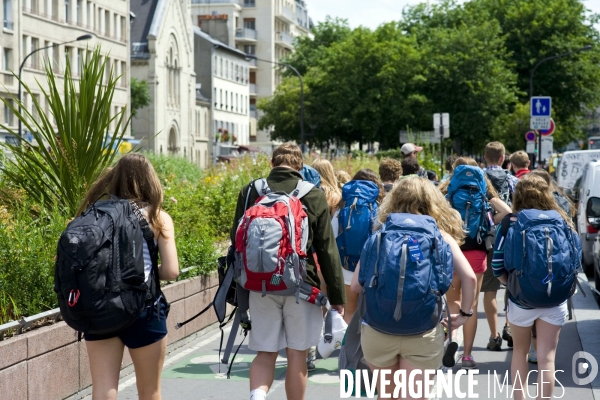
(49, 363)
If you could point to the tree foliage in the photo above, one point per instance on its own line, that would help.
(140, 95)
(472, 60)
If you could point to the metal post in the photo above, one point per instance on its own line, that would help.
(302, 135)
(442, 145)
(84, 37)
(585, 48)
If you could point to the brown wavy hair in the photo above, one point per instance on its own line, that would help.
(132, 178)
(554, 188)
(467, 161)
(416, 195)
(533, 191)
(329, 183)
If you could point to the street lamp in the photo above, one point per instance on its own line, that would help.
(80, 38)
(585, 48)
(302, 136)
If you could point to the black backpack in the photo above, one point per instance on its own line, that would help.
(99, 276)
(499, 179)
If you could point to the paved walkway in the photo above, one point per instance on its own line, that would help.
(192, 372)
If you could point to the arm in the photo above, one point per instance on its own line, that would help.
(168, 270)
(467, 277)
(355, 285)
(327, 253)
(501, 208)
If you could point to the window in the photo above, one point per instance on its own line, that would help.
(250, 49)
(67, 13)
(7, 13)
(227, 69)
(34, 110)
(35, 58)
(221, 98)
(226, 99)
(106, 23)
(249, 23)
(8, 115)
(7, 59)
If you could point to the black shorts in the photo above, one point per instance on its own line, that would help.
(144, 331)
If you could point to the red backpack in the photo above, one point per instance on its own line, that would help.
(270, 243)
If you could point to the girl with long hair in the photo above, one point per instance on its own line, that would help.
(532, 192)
(133, 178)
(477, 257)
(416, 195)
(329, 184)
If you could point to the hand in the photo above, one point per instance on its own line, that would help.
(457, 321)
(339, 309)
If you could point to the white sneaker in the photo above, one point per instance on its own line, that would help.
(338, 330)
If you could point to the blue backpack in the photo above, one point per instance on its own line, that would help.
(356, 220)
(542, 255)
(467, 193)
(405, 269)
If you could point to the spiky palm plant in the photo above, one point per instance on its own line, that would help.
(66, 156)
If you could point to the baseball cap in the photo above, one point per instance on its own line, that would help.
(408, 148)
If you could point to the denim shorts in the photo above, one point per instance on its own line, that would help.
(144, 331)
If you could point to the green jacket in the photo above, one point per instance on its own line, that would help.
(320, 237)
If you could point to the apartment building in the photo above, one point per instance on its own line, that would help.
(223, 72)
(29, 25)
(264, 28)
(162, 54)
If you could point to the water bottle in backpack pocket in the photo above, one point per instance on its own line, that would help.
(542, 255)
(467, 193)
(406, 268)
(357, 218)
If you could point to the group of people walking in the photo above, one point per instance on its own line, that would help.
(385, 250)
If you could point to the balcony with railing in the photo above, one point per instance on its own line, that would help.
(249, 3)
(253, 88)
(253, 111)
(9, 24)
(285, 39)
(245, 35)
(286, 14)
(9, 79)
(253, 63)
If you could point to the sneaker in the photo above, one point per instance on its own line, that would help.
(495, 344)
(448, 360)
(468, 362)
(532, 356)
(506, 335)
(310, 360)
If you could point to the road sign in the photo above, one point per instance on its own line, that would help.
(541, 106)
(530, 136)
(550, 131)
(530, 147)
(547, 148)
(540, 123)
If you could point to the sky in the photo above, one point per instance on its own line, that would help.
(372, 13)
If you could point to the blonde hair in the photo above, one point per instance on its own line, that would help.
(329, 183)
(468, 161)
(416, 195)
(533, 191)
(342, 178)
(390, 170)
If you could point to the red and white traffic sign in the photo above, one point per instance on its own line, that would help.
(550, 131)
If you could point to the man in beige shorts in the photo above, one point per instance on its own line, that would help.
(278, 322)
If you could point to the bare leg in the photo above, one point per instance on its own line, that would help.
(296, 375)
(148, 363)
(490, 306)
(105, 364)
(470, 328)
(389, 389)
(262, 370)
(521, 340)
(547, 340)
(453, 296)
(351, 304)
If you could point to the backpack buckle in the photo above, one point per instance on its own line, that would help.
(73, 297)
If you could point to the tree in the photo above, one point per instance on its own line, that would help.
(140, 96)
(67, 156)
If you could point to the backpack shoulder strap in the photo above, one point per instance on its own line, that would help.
(302, 189)
(152, 247)
(262, 187)
(506, 224)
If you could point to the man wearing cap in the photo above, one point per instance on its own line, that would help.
(411, 150)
